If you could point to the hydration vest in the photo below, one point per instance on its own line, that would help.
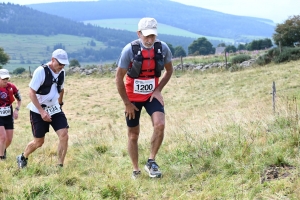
(135, 70)
(10, 94)
(49, 80)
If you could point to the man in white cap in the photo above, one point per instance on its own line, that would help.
(46, 90)
(142, 62)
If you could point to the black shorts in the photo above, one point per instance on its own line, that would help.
(7, 121)
(40, 127)
(150, 107)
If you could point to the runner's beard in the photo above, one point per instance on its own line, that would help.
(148, 45)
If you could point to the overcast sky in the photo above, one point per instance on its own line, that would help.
(276, 10)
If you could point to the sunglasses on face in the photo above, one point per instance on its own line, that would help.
(5, 79)
(60, 64)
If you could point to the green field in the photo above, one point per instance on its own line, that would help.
(32, 49)
(130, 24)
(223, 140)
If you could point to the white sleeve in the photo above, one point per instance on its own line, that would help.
(38, 78)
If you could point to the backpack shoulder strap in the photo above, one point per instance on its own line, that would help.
(46, 69)
(158, 47)
(136, 47)
(61, 78)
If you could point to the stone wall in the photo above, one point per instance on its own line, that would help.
(186, 66)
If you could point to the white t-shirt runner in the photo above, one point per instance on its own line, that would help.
(50, 99)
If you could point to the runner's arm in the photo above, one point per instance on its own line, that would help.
(121, 86)
(60, 98)
(33, 98)
(166, 76)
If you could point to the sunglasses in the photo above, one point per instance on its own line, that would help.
(5, 79)
(60, 64)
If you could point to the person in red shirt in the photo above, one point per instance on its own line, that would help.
(142, 88)
(8, 94)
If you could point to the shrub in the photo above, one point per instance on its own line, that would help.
(287, 54)
(263, 60)
(284, 56)
(74, 63)
(240, 58)
(19, 70)
(273, 52)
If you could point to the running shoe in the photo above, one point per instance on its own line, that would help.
(135, 174)
(153, 169)
(22, 161)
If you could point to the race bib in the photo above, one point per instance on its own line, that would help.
(5, 111)
(52, 109)
(143, 86)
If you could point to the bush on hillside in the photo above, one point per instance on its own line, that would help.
(263, 60)
(273, 52)
(240, 58)
(19, 70)
(74, 63)
(288, 54)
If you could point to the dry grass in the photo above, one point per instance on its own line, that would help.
(221, 133)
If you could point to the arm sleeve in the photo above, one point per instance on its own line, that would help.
(125, 57)
(166, 52)
(38, 78)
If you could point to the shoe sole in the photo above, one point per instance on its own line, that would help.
(150, 175)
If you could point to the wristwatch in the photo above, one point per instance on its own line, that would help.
(62, 103)
(17, 108)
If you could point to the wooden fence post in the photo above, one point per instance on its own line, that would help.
(181, 63)
(225, 60)
(273, 96)
(280, 49)
(29, 72)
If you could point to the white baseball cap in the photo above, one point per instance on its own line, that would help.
(61, 56)
(4, 73)
(148, 26)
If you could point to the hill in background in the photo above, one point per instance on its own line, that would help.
(29, 35)
(130, 24)
(193, 19)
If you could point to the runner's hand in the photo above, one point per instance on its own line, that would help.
(130, 111)
(45, 116)
(16, 114)
(157, 94)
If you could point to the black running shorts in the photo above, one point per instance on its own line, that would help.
(40, 127)
(151, 107)
(7, 121)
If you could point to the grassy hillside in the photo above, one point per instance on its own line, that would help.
(130, 24)
(222, 141)
(33, 48)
